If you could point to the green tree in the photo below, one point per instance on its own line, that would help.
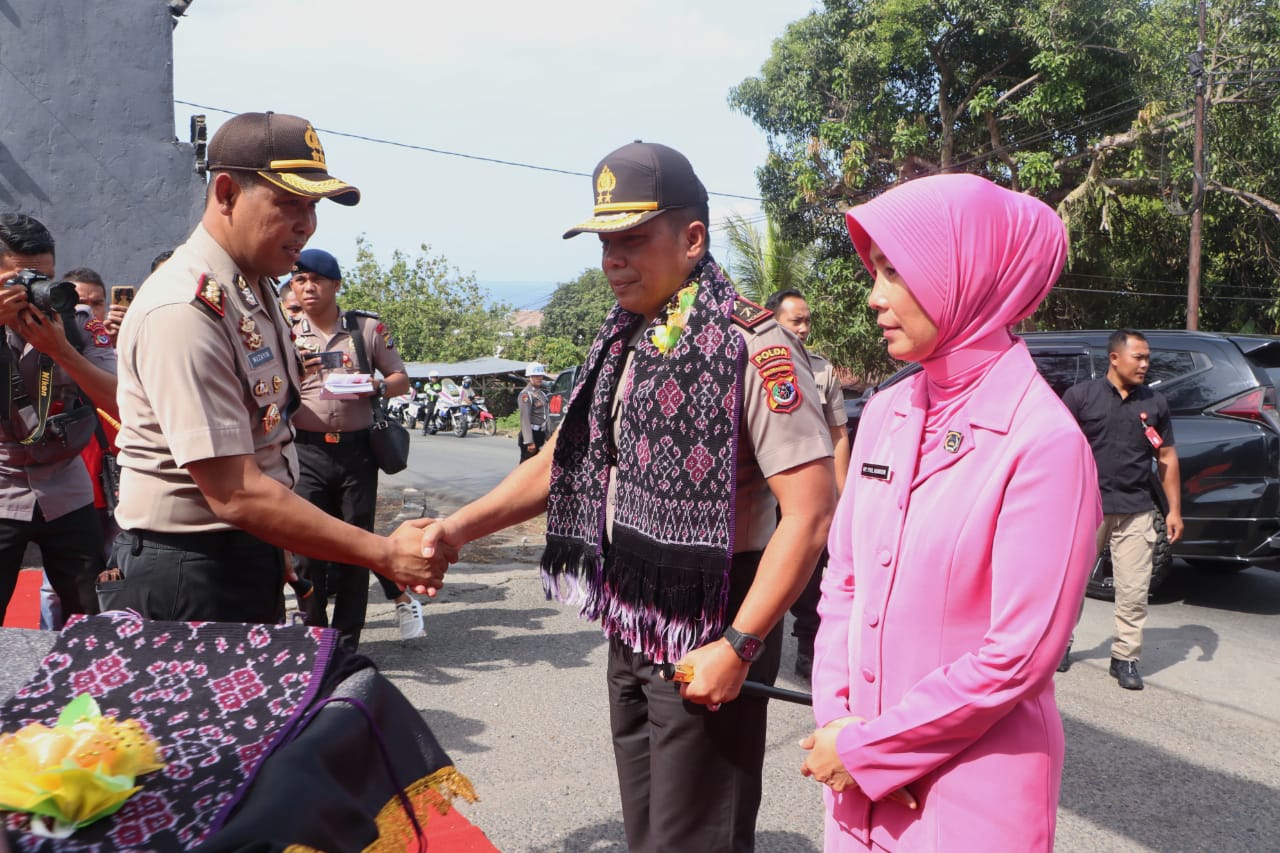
(762, 262)
(434, 311)
(577, 308)
(1084, 103)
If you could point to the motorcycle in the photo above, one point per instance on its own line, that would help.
(479, 417)
(450, 411)
(397, 407)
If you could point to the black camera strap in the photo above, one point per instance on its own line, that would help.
(351, 323)
(13, 388)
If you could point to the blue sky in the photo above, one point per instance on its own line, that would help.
(556, 84)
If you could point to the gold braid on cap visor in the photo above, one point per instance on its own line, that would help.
(294, 181)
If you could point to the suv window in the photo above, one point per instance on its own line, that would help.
(1062, 371)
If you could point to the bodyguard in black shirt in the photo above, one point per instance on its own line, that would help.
(1127, 425)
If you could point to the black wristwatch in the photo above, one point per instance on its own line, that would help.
(746, 646)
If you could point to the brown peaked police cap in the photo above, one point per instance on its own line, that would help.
(638, 182)
(283, 149)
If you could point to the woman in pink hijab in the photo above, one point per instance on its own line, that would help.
(961, 544)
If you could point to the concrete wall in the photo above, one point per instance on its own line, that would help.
(87, 140)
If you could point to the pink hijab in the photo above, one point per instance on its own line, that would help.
(977, 257)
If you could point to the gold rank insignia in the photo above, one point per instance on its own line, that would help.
(246, 292)
(209, 292)
(260, 388)
(276, 383)
(271, 419)
(606, 183)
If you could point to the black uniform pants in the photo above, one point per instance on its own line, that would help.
(539, 439)
(70, 548)
(805, 608)
(342, 480)
(220, 576)
(690, 777)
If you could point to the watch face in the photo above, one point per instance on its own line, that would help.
(751, 648)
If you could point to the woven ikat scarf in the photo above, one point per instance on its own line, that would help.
(662, 584)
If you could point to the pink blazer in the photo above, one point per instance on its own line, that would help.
(945, 610)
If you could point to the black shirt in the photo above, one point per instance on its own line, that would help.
(1115, 427)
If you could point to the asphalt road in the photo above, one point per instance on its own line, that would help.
(513, 687)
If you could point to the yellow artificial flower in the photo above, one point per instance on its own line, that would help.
(665, 337)
(76, 772)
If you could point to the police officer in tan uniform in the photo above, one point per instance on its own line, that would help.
(689, 756)
(532, 404)
(46, 495)
(208, 380)
(791, 310)
(338, 472)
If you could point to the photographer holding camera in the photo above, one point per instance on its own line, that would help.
(46, 418)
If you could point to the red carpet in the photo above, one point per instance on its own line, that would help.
(24, 607)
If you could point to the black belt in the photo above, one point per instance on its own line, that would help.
(208, 541)
(307, 437)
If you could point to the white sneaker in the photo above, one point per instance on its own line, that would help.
(409, 615)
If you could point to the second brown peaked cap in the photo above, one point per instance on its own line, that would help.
(638, 182)
(283, 149)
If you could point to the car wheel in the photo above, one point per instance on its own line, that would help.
(1101, 584)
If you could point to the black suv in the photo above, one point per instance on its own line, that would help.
(1221, 390)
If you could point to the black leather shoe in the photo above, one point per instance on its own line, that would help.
(1065, 663)
(1126, 672)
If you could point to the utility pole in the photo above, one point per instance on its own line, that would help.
(1201, 79)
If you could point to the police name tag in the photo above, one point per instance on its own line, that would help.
(876, 472)
(259, 357)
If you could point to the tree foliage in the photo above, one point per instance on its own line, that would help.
(434, 311)
(762, 262)
(577, 308)
(1084, 103)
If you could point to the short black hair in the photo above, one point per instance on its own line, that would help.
(84, 275)
(1120, 339)
(679, 217)
(159, 259)
(21, 234)
(774, 301)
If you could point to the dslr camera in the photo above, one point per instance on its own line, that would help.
(50, 298)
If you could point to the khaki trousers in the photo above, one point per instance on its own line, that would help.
(1133, 541)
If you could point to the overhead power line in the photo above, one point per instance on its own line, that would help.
(430, 150)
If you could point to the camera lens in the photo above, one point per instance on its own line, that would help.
(63, 297)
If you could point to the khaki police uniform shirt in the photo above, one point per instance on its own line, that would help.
(320, 415)
(56, 487)
(769, 441)
(829, 393)
(532, 404)
(197, 386)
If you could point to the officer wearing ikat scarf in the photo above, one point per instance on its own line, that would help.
(691, 416)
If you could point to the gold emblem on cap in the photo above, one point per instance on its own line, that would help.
(605, 185)
(313, 142)
(271, 419)
(260, 388)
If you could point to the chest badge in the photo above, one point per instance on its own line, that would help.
(260, 388)
(276, 383)
(271, 419)
(246, 292)
(952, 442)
(876, 472)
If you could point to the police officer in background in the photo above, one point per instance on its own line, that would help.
(533, 411)
(338, 471)
(791, 310)
(208, 379)
(46, 495)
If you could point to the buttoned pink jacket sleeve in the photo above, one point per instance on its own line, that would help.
(947, 604)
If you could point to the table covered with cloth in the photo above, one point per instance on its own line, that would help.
(273, 738)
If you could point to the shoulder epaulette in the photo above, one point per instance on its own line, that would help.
(209, 294)
(747, 314)
(360, 312)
